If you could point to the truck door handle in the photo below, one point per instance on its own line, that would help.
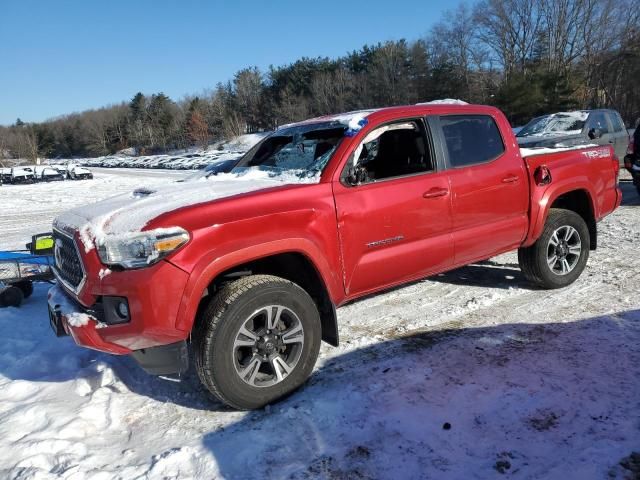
(510, 179)
(435, 192)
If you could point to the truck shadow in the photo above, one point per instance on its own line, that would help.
(443, 403)
(435, 403)
(487, 273)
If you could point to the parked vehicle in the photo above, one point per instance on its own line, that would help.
(18, 270)
(5, 175)
(632, 159)
(247, 272)
(22, 175)
(47, 174)
(75, 172)
(62, 169)
(221, 166)
(567, 129)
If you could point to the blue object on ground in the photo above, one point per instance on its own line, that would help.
(26, 258)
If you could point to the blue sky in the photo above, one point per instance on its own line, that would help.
(63, 56)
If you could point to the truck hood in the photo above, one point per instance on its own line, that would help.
(128, 213)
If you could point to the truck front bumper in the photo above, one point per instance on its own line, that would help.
(152, 298)
(68, 317)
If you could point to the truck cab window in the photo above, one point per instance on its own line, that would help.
(303, 150)
(471, 139)
(393, 150)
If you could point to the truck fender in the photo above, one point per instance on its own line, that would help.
(540, 206)
(212, 265)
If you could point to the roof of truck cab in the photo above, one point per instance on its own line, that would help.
(351, 119)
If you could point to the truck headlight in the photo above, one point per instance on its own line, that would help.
(141, 249)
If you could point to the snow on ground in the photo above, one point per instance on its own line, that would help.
(30, 209)
(192, 158)
(470, 374)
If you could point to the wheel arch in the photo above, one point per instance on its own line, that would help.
(295, 265)
(578, 199)
(580, 202)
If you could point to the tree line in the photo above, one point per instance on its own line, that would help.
(528, 57)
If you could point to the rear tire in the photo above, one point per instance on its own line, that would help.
(560, 254)
(257, 341)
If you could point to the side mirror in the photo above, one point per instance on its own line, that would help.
(595, 133)
(41, 244)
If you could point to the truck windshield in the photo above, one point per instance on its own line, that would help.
(556, 124)
(303, 150)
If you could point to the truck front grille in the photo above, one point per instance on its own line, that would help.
(68, 265)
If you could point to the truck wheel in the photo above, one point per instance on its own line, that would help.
(11, 297)
(25, 286)
(257, 341)
(560, 254)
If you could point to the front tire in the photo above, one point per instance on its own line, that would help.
(257, 341)
(560, 255)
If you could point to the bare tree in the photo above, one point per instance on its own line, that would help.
(510, 28)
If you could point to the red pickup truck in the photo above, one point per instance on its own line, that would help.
(246, 269)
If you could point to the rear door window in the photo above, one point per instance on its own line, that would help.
(471, 139)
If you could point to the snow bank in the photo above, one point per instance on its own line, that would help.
(245, 142)
(444, 101)
(127, 152)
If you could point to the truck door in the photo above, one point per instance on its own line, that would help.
(394, 209)
(490, 193)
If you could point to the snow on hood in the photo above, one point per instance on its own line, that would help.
(128, 213)
(444, 101)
